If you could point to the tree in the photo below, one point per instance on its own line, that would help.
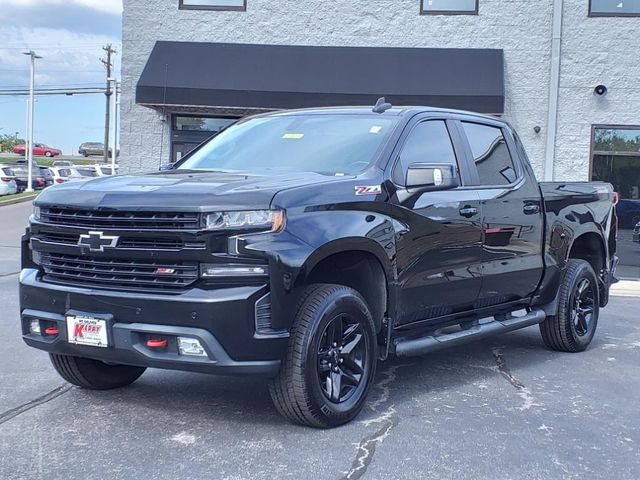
(7, 142)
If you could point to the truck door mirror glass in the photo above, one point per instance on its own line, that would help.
(429, 176)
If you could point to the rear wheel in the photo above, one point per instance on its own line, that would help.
(94, 374)
(330, 363)
(574, 325)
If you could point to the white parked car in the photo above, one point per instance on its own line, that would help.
(96, 170)
(64, 174)
(106, 170)
(8, 184)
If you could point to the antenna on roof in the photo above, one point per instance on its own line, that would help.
(381, 106)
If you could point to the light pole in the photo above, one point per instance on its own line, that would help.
(29, 145)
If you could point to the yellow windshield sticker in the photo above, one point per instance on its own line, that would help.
(293, 136)
(375, 129)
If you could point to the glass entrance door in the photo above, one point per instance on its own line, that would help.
(189, 131)
(616, 159)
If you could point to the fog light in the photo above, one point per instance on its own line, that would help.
(210, 270)
(34, 327)
(191, 346)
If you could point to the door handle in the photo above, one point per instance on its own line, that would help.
(468, 212)
(531, 209)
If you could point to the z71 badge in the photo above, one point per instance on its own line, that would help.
(368, 190)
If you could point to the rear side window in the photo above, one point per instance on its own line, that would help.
(428, 142)
(490, 153)
(7, 171)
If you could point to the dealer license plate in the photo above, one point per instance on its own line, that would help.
(86, 330)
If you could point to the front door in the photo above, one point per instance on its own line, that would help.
(440, 242)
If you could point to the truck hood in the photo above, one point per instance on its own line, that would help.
(177, 190)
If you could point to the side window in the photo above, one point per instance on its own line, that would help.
(490, 153)
(428, 142)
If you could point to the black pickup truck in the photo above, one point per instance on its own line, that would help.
(305, 246)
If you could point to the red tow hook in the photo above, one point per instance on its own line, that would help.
(157, 343)
(51, 331)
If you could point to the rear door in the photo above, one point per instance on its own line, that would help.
(439, 235)
(512, 218)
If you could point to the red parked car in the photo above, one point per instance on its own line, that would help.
(38, 149)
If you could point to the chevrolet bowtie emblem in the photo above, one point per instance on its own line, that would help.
(97, 241)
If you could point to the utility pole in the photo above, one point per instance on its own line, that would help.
(29, 145)
(116, 103)
(107, 121)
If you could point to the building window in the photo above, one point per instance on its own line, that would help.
(238, 5)
(614, 8)
(615, 158)
(449, 7)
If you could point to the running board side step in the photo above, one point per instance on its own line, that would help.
(431, 343)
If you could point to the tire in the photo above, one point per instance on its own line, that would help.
(94, 374)
(304, 389)
(48, 154)
(570, 330)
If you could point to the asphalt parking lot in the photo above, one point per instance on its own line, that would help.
(505, 408)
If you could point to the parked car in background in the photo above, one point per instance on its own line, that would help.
(87, 171)
(62, 163)
(21, 173)
(38, 149)
(8, 185)
(106, 170)
(46, 174)
(64, 174)
(93, 148)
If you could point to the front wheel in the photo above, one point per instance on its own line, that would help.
(574, 325)
(331, 359)
(94, 374)
(48, 154)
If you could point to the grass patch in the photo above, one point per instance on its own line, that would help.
(11, 198)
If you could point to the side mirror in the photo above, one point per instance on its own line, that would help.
(431, 176)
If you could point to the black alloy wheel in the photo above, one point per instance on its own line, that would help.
(341, 358)
(583, 306)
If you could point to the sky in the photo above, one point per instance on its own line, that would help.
(69, 35)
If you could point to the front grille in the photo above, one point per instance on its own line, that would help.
(110, 273)
(131, 243)
(119, 220)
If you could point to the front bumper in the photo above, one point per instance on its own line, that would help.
(221, 319)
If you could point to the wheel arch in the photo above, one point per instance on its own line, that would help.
(590, 247)
(363, 267)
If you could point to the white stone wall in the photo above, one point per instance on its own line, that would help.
(522, 28)
(595, 51)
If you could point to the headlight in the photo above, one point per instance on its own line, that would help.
(271, 220)
(36, 213)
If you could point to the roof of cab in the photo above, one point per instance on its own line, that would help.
(368, 110)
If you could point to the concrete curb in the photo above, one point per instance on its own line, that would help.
(18, 200)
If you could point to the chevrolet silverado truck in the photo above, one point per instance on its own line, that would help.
(305, 246)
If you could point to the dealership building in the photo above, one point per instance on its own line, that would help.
(564, 73)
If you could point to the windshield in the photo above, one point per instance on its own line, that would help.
(328, 144)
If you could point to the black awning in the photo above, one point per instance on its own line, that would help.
(286, 76)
